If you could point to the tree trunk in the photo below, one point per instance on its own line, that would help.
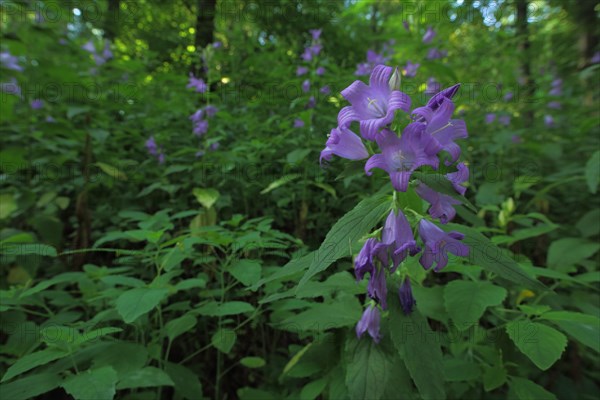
(525, 61)
(205, 26)
(111, 23)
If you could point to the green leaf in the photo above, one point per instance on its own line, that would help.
(124, 357)
(29, 387)
(541, 343)
(173, 258)
(460, 370)
(345, 232)
(322, 316)
(494, 377)
(420, 349)
(525, 389)
(136, 302)
(145, 377)
(95, 334)
(224, 339)
(246, 271)
(214, 309)
(98, 384)
(487, 255)
(253, 362)
(565, 253)
(313, 389)
(7, 205)
(592, 172)
(586, 333)
(588, 224)
(280, 182)
(26, 249)
(111, 171)
(73, 111)
(180, 326)
(367, 368)
(186, 381)
(466, 301)
(206, 197)
(33, 360)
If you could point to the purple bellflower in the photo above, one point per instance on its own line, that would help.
(441, 204)
(433, 86)
(196, 83)
(9, 61)
(344, 143)
(435, 54)
(320, 71)
(429, 35)
(400, 157)
(369, 322)
(36, 104)
(365, 261)
(374, 105)
(555, 105)
(201, 127)
(489, 118)
(11, 87)
(398, 238)
(504, 120)
(457, 178)
(298, 123)
(407, 301)
(377, 287)
(315, 33)
(301, 71)
(306, 86)
(438, 243)
(406, 25)
(325, 90)
(210, 111)
(410, 69)
(151, 146)
(549, 121)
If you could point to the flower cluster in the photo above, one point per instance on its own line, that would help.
(374, 58)
(555, 91)
(154, 150)
(311, 67)
(9, 61)
(99, 57)
(430, 132)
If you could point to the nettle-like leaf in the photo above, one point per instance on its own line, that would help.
(367, 369)
(540, 343)
(94, 384)
(466, 301)
(139, 301)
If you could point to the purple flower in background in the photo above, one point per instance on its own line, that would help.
(306, 86)
(210, 111)
(301, 71)
(106, 53)
(489, 118)
(315, 49)
(11, 87)
(312, 102)
(197, 116)
(400, 157)
(435, 53)
(298, 123)
(429, 35)
(407, 301)
(89, 46)
(369, 322)
(410, 69)
(199, 153)
(196, 83)
(161, 158)
(201, 128)
(344, 143)
(555, 105)
(307, 55)
(315, 33)
(397, 237)
(406, 25)
(9, 61)
(508, 96)
(377, 288)
(433, 86)
(441, 204)
(549, 121)
(36, 104)
(437, 99)
(516, 139)
(438, 243)
(320, 71)
(374, 105)
(214, 146)
(376, 58)
(217, 45)
(151, 146)
(556, 87)
(595, 58)
(504, 120)
(49, 119)
(363, 69)
(325, 89)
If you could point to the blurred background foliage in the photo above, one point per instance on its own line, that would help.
(193, 235)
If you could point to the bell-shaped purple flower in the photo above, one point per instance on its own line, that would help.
(433, 86)
(369, 322)
(400, 157)
(315, 33)
(325, 90)
(210, 111)
(407, 301)
(89, 46)
(151, 146)
(397, 236)
(429, 35)
(11, 87)
(438, 243)
(374, 106)
(457, 178)
(555, 105)
(298, 123)
(504, 120)
(437, 99)
(197, 83)
(9, 61)
(301, 71)
(364, 261)
(489, 118)
(549, 121)
(344, 143)
(197, 116)
(441, 204)
(363, 69)
(307, 55)
(442, 128)
(36, 104)
(377, 287)
(306, 86)
(406, 25)
(410, 69)
(435, 54)
(320, 71)
(311, 103)
(201, 127)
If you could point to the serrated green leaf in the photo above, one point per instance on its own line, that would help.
(180, 326)
(97, 384)
(29, 387)
(145, 377)
(111, 171)
(466, 301)
(186, 381)
(224, 339)
(136, 302)
(367, 369)
(246, 271)
(214, 309)
(592, 172)
(525, 389)
(33, 360)
(206, 197)
(494, 377)
(540, 343)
